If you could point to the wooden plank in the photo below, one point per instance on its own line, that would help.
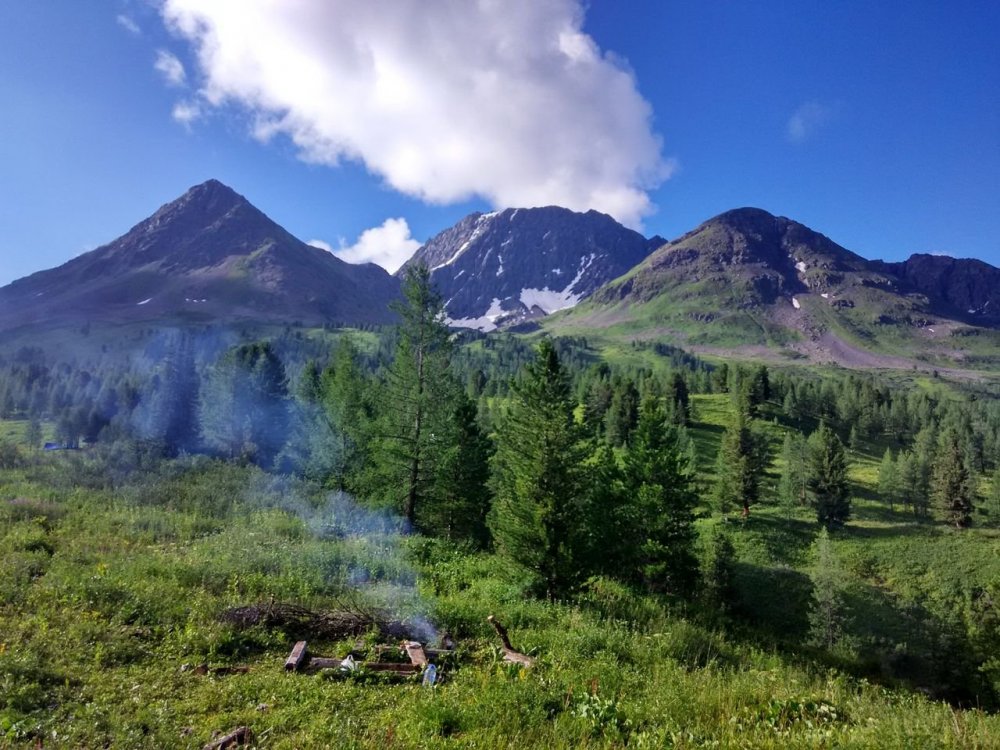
(239, 736)
(415, 651)
(296, 658)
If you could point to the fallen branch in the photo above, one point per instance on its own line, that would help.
(510, 654)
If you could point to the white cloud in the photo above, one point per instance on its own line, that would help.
(170, 68)
(389, 245)
(807, 119)
(505, 100)
(127, 23)
(187, 112)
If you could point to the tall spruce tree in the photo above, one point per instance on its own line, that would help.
(539, 515)
(951, 482)
(417, 400)
(461, 497)
(658, 487)
(828, 478)
(740, 465)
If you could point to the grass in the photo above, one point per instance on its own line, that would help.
(114, 582)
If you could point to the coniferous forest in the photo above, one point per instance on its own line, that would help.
(689, 552)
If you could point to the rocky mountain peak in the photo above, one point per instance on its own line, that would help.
(521, 263)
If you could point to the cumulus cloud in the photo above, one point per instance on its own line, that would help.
(807, 119)
(389, 245)
(127, 23)
(170, 68)
(506, 100)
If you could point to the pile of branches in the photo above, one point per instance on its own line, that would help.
(345, 620)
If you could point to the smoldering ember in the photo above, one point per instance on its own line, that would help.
(499, 375)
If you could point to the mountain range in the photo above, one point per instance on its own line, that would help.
(744, 281)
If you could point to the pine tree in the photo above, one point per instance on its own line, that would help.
(826, 612)
(659, 489)
(827, 479)
(951, 483)
(417, 400)
(538, 519)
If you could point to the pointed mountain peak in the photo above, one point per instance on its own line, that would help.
(210, 198)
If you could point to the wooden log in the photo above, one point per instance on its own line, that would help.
(510, 654)
(239, 736)
(295, 659)
(415, 651)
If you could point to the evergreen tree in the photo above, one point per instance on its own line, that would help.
(680, 398)
(174, 411)
(417, 400)
(33, 434)
(461, 495)
(826, 612)
(244, 404)
(538, 519)
(792, 484)
(993, 498)
(888, 479)
(344, 434)
(951, 484)
(827, 479)
(623, 414)
(720, 574)
(659, 491)
(740, 465)
(909, 482)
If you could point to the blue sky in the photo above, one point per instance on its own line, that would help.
(876, 123)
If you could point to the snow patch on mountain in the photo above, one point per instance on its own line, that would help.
(485, 322)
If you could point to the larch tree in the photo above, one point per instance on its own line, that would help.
(416, 401)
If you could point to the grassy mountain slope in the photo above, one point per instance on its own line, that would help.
(752, 284)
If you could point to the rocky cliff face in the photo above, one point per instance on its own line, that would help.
(965, 287)
(517, 264)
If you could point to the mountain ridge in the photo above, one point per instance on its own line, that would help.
(208, 255)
